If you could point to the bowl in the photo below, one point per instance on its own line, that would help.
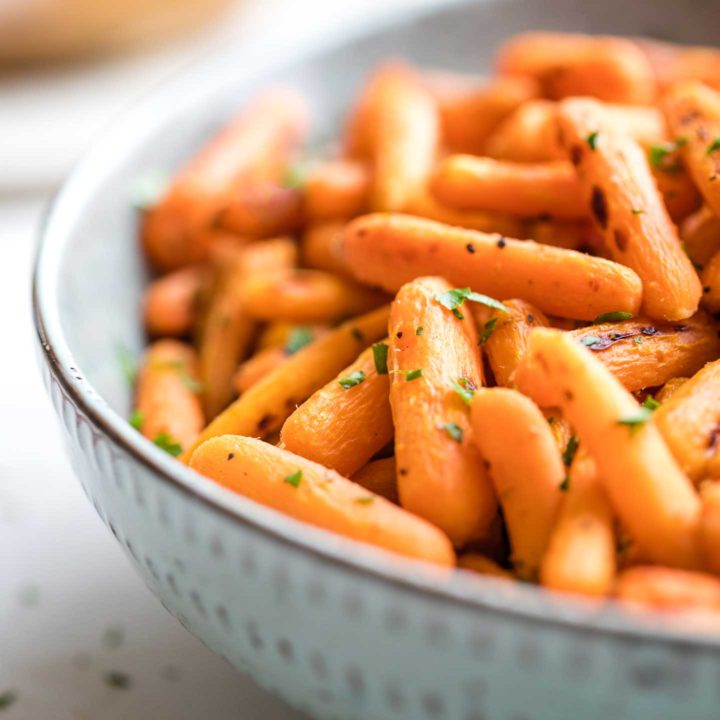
(338, 629)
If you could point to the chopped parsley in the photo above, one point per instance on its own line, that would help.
(714, 146)
(380, 356)
(592, 341)
(128, 365)
(298, 338)
(660, 155)
(465, 389)
(592, 140)
(366, 500)
(294, 479)
(453, 299)
(185, 378)
(638, 340)
(637, 212)
(168, 444)
(570, 450)
(564, 486)
(636, 420)
(136, 419)
(487, 331)
(651, 403)
(8, 698)
(453, 430)
(352, 380)
(412, 374)
(615, 316)
(419, 330)
(118, 680)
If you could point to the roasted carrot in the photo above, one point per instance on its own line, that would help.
(320, 247)
(267, 404)
(440, 473)
(379, 476)
(689, 421)
(678, 191)
(257, 367)
(672, 63)
(482, 565)
(692, 110)
(569, 234)
(319, 496)
(668, 589)
(387, 250)
(335, 190)
(167, 406)
(610, 68)
(670, 388)
(620, 191)
(711, 284)
(474, 183)
(527, 483)
(170, 303)
(306, 296)
(709, 533)
(581, 553)
(253, 148)
(506, 336)
(347, 421)
(660, 507)
(700, 234)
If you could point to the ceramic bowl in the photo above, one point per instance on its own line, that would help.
(338, 629)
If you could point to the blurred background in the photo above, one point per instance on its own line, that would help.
(80, 637)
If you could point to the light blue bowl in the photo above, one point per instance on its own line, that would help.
(336, 628)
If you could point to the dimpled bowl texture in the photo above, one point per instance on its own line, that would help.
(338, 629)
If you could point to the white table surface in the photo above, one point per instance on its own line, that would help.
(71, 608)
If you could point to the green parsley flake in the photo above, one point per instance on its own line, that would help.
(564, 486)
(127, 363)
(660, 155)
(570, 450)
(298, 338)
(453, 299)
(366, 500)
(118, 680)
(638, 212)
(638, 340)
(380, 357)
(464, 388)
(136, 419)
(592, 140)
(487, 331)
(294, 479)
(147, 190)
(412, 374)
(651, 403)
(419, 330)
(615, 316)
(636, 420)
(8, 698)
(714, 146)
(352, 380)
(168, 444)
(591, 341)
(453, 430)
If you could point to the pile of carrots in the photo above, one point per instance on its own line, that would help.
(480, 333)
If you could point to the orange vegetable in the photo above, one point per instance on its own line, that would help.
(343, 425)
(257, 367)
(581, 554)
(320, 247)
(378, 476)
(678, 191)
(672, 63)
(335, 190)
(711, 284)
(170, 302)
(477, 563)
(612, 69)
(659, 508)
(387, 250)
(527, 483)
(319, 496)
(167, 408)
(253, 148)
(440, 473)
(475, 183)
(621, 193)
(670, 388)
(306, 296)
(701, 235)
(710, 526)
(266, 405)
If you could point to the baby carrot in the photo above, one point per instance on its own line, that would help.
(379, 476)
(388, 250)
(700, 234)
(257, 367)
(660, 507)
(335, 190)
(167, 407)
(622, 195)
(440, 473)
(710, 526)
(482, 565)
(317, 495)
(320, 247)
(170, 303)
(344, 423)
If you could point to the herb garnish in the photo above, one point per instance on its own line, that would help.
(714, 146)
(8, 698)
(453, 299)
(465, 389)
(127, 363)
(380, 356)
(136, 419)
(487, 331)
(294, 479)
(366, 500)
(147, 190)
(352, 380)
(168, 444)
(570, 450)
(564, 486)
(636, 420)
(419, 330)
(592, 140)
(298, 338)
(118, 680)
(637, 212)
(660, 154)
(592, 341)
(615, 316)
(638, 340)
(412, 374)
(651, 403)
(453, 430)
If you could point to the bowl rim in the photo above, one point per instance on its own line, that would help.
(514, 600)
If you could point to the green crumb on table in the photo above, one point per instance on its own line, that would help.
(117, 680)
